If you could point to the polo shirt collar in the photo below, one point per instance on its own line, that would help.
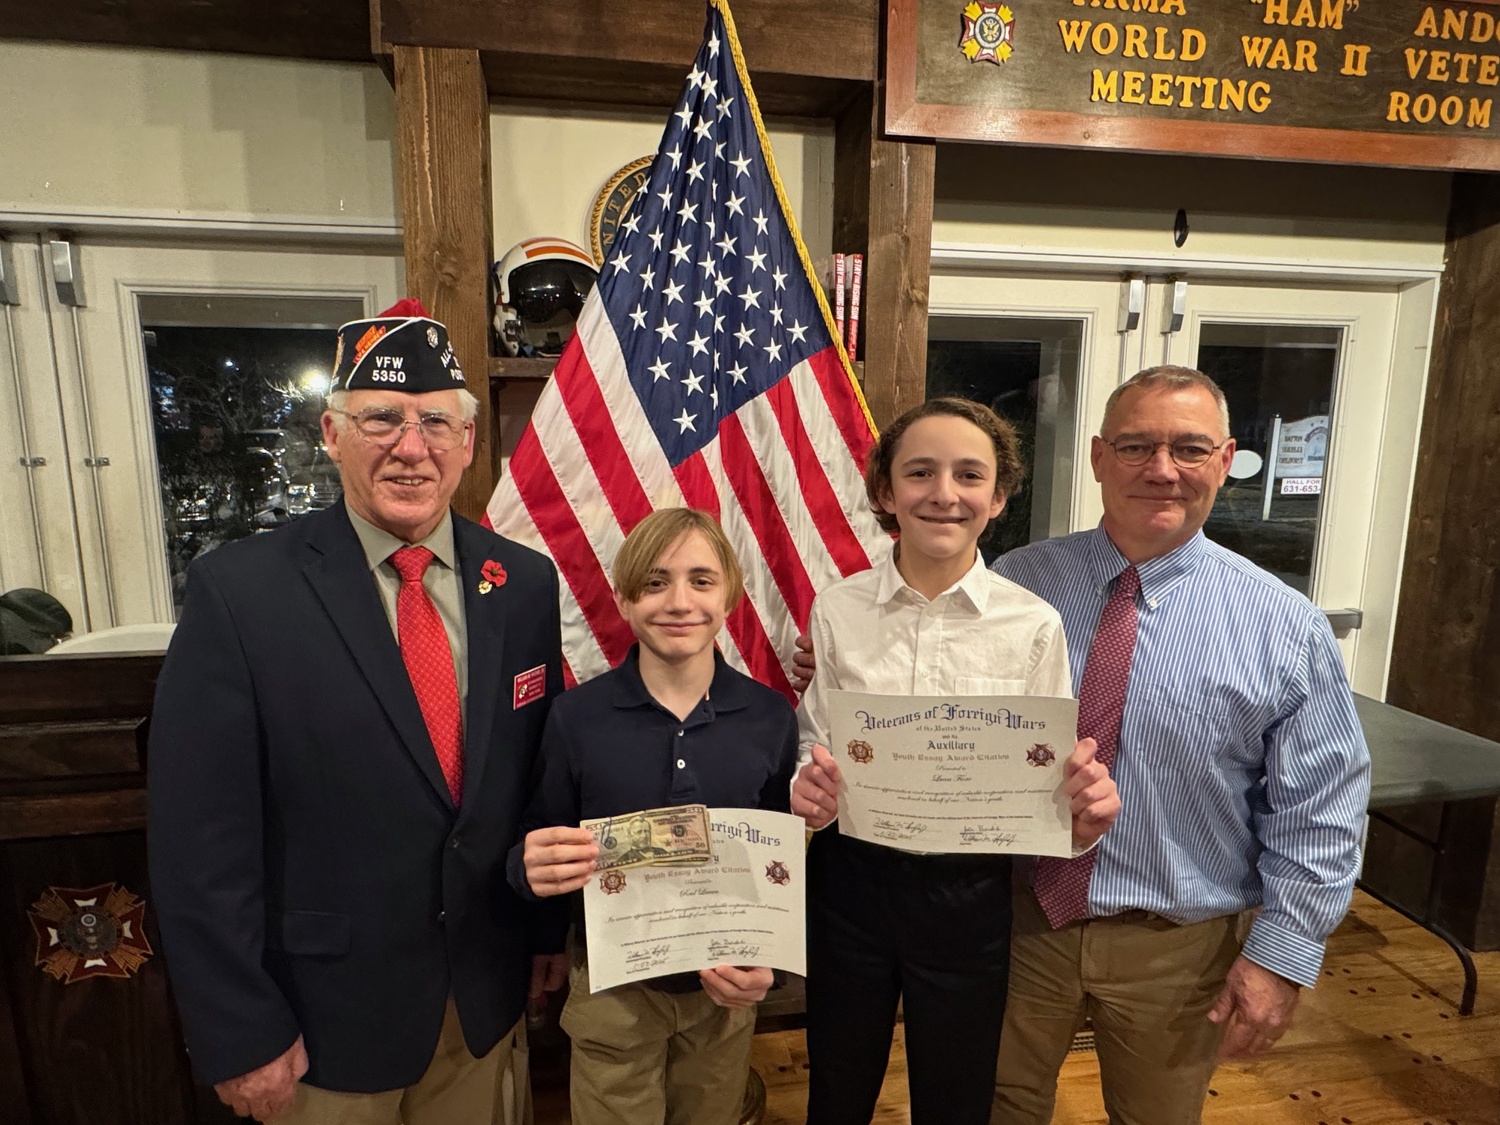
(973, 588)
(727, 692)
(379, 544)
(1159, 576)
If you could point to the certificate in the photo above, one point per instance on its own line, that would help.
(944, 773)
(745, 907)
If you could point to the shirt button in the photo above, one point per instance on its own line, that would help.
(453, 843)
(679, 734)
(681, 764)
(442, 916)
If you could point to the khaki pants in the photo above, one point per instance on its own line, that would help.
(1146, 984)
(457, 1089)
(644, 1057)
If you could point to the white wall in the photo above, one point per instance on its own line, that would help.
(1091, 201)
(116, 131)
(547, 167)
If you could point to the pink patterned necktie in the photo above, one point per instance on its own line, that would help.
(429, 663)
(1062, 885)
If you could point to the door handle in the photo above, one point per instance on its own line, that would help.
(1343, 620)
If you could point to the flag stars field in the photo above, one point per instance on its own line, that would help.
(705, 372)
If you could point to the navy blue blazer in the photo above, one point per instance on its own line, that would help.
(309, 871)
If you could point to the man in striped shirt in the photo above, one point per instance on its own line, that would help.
(1243, 778)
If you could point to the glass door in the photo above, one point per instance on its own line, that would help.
(171, 396)
(1320, 407)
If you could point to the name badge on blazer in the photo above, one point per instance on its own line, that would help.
(531, 685)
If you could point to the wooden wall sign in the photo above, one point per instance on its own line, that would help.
(1392, 82)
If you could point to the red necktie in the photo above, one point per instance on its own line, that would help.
(1062, 885)
(429, 663)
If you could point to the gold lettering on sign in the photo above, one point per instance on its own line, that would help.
(1356, 60)
(1105, 39)
(1476, 27)
(1156, 7)
(1178, 89)
(1260, 53)
(1424, 108)
(1484, 69)
(1329, 13)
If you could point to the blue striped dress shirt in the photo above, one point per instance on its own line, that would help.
(1242, 768)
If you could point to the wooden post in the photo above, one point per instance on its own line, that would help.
(443, 130)
(882, 203)
(1447, 642)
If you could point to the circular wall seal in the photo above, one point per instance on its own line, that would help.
(612, 203)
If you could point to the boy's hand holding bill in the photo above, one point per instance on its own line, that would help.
(559, 860)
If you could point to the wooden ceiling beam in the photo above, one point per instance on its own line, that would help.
(307, 29)
(832, 39)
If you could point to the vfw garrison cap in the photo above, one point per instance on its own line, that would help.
(402, 349)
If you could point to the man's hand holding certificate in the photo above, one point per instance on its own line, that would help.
(958, 773)
(744, 905)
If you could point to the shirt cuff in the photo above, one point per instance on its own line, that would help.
(1283, 952)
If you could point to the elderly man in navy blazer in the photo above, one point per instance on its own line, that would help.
(342, 744)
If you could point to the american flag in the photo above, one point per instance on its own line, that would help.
(705, 371)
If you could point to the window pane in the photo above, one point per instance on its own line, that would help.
(1279, 381)
(235, 404)
(1026, 370)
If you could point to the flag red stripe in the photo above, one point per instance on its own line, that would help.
(764, 517)
(843, 545)
(843, 404)
(569, 546)
(757, 651)
(744, 623)
(697, 486)
(601, 443)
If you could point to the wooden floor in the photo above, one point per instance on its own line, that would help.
(1378, 1042)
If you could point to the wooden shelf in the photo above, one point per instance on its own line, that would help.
(513, 367)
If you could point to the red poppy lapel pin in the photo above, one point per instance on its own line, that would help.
(491, 574)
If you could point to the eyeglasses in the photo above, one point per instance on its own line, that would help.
(1188, 453)
(386, 428)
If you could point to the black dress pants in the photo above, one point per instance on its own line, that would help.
(932, 931)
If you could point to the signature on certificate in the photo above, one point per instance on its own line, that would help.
(647, 957)
(894, 828)
(733, 951)
(970, 835)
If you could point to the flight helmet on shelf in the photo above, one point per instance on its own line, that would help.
(540, 286)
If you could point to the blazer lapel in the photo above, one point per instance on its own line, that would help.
(485, 624)
(339, 575)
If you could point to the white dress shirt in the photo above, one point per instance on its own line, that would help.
(983, 636)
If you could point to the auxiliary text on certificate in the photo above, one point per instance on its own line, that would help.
(942, 773)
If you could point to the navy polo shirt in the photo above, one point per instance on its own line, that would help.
(610, 748)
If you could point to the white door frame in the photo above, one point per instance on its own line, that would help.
(1416, 291)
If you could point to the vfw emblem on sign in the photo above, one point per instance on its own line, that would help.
(989, 32)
